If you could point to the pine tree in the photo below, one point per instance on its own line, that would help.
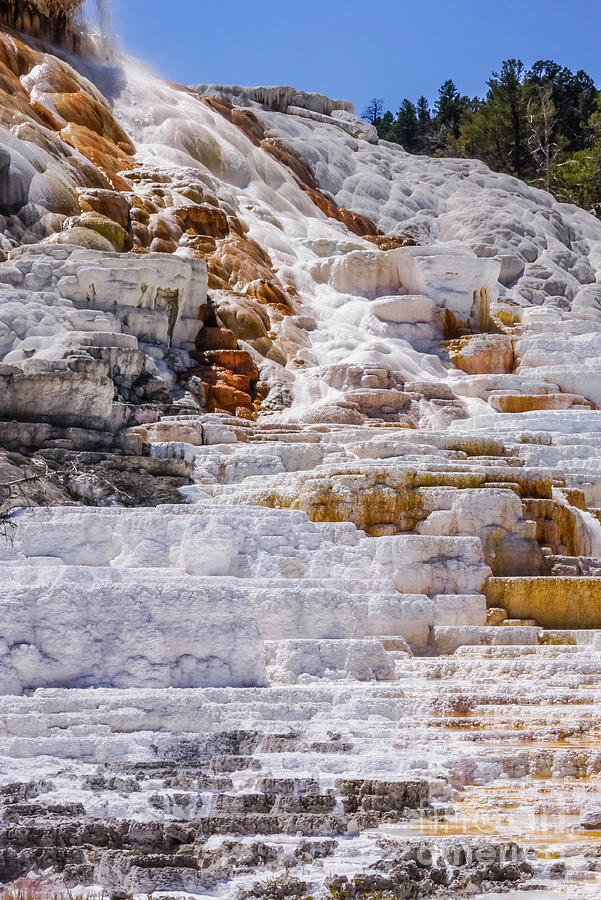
(450, 107)
(406, 125)
(574, 97)
(507, 87)
(423, 113)
(496, 130)
(386, 127)
(424, 124)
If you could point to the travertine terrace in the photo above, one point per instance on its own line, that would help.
(300, 484)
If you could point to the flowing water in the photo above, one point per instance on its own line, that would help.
(97, 21)
(589, 528)
(592, 527)
(105, 23)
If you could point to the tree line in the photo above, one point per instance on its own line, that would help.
(541, 124)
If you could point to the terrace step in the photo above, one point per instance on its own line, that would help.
(509, 402)
(446, 639)
(582, 638)
(248, 543)
(574, 566)
(554, 602)
(549, 651)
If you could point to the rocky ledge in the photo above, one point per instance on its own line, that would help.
(300, 502)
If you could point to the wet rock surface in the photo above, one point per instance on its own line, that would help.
(291, 423)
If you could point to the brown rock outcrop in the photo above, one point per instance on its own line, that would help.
(66, 113)
(299, 167)
(109, 229)
(483, 354)
(358, 224)
(229, 378)
(112, 204)
(203, 219)
(240, 263)
(389, 241)
(216, 339)
(50, 20)
(79, 108)
(99, 150)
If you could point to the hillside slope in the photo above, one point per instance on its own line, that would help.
(301, 501)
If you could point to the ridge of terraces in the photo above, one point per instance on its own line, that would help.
(301, 504)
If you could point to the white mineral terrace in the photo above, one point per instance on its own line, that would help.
(350, 648)
(234, 668)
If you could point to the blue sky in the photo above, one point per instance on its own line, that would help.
(354, 49)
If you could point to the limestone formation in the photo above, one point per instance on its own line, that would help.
(300, 501)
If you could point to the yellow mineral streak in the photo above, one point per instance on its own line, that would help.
(482, 354)
(558, 602)
(518, 403)
(367, 501)
(556, 525)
